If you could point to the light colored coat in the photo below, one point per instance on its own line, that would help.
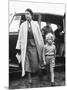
(22, 41)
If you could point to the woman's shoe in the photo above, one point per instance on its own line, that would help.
(52, 84)
(30, 81)
(29, 78)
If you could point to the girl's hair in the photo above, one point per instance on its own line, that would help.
(50, 36)
(29, 10)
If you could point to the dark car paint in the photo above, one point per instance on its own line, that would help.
(14, 66)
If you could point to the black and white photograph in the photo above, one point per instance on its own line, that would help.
(36, 44)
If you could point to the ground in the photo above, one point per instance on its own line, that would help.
(19, 82)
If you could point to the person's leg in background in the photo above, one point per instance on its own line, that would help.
(27, 68)
(48, 72)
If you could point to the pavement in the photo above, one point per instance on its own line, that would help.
(17, 82)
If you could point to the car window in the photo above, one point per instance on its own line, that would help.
(15, 23)
(43, 24)
(54, 26)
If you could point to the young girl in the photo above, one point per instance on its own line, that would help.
(49, 52)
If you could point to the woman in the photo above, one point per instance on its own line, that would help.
(30, 42)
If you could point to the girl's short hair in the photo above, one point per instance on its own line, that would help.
(50, 36)
(29, 10)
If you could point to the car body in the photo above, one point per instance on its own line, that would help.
(19, 18)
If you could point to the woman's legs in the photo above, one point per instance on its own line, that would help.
(29, 77)
(31, 64)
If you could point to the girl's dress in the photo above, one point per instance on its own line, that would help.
(50, 56)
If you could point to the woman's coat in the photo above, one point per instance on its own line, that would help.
(22, 41)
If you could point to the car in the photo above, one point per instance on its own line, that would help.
(14, 26)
